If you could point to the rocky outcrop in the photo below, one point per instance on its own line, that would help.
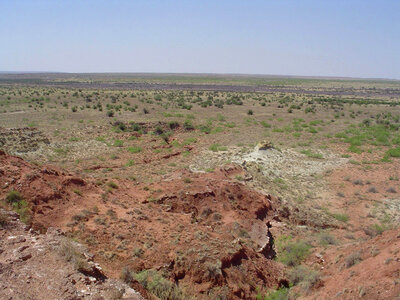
(44, 266)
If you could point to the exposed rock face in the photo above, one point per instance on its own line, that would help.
(35, 266)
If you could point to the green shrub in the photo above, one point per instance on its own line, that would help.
(340, 217)
(291, 253)
(130, 163)
(189, 141)
(205, 128)
(20, 206)
(118, 143)
(158, 285)
(380, 228)
(311, 154)
(265, 124)
(134, 149)
(304, 277)
(173, 125)
(136, 127)
(24, 211)
(13, 197)
(112, 184)
(280, 294)
(188, 125)
(158, 130)
(393, 152)
(217, 147)
(355, 149)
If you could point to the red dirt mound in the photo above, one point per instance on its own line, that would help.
(206, 232)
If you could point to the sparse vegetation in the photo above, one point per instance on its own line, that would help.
(334, 148)
(353, 259)
(291, 252)
(71, 253)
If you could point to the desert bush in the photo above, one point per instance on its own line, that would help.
(378, 229)
(136, 127)
(311, 154)
(280, 294)
(391, 190)
(291, 253)
(118, 143)
(188, 125)
(3, 219)
(134, 149)
(326, 239)
(138, 252)
(20, 206)
(13, 197)
(173, 125)
(214, 269)
(130, 163)
(158, 285)
(119, 126)
(112, 184)
(394, 152)
(205, 128)
(189, 141)
(265, 124)
(372, 189)
(217, 147)
(110, 113)
(158, 130)
(340, 217)
(352, 259)
(127, 275)
(71, 253)
(304, 277)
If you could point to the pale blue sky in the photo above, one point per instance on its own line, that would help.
(359, 38)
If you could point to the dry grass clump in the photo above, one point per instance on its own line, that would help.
(71, 253)
(353, 259)
(155, 283)
(3, 219)
(304, 277)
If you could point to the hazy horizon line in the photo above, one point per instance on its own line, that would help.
(212, 74)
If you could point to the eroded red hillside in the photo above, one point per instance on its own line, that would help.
(205, 231)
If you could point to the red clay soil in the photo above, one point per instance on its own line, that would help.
(365, 264)
(206, 232)
(365, 269)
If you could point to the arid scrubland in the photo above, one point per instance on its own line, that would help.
(210, 187)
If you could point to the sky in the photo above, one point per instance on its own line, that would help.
(350, 38)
